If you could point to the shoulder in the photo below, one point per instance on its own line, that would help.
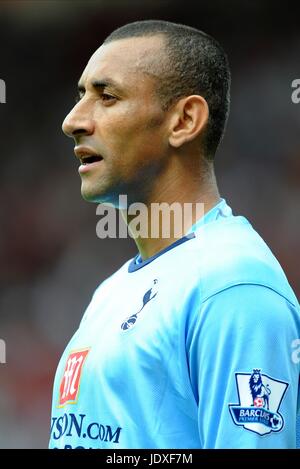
(116, 278)
(230, 252)
(244, 320)
(253, 304)
(110, 286)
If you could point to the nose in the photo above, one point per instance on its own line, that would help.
(78, 121)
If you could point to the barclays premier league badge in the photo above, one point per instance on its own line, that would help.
(260, 397)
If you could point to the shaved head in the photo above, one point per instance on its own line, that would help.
(187, 61)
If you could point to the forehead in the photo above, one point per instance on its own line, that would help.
(124, 60)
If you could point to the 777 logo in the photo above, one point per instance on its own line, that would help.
(69, 386)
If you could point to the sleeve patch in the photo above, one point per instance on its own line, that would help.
(260, 398)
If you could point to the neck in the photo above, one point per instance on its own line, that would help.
(174, 204)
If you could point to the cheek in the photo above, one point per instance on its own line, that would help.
(129, 134)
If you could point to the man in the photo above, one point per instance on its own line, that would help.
(194, 343)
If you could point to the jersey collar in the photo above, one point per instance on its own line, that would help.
(219, 210)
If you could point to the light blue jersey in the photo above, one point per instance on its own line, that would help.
(197, 347)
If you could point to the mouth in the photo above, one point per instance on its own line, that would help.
(89, 163)
(89, 159)
(86, 160)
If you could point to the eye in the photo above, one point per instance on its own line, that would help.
(107, 97)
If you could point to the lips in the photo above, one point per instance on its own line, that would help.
(84, 160)
(87, 155)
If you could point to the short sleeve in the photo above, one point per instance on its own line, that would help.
(243, 377)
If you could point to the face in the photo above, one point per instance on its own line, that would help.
(118, 125)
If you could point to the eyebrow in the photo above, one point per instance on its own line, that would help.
(101, 84)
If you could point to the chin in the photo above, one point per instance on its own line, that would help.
(90, 194)
(97, 196)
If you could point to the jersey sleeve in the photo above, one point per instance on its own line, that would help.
(242, 371)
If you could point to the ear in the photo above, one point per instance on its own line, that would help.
(189, 118)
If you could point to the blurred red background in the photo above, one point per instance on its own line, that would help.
(50, 257)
